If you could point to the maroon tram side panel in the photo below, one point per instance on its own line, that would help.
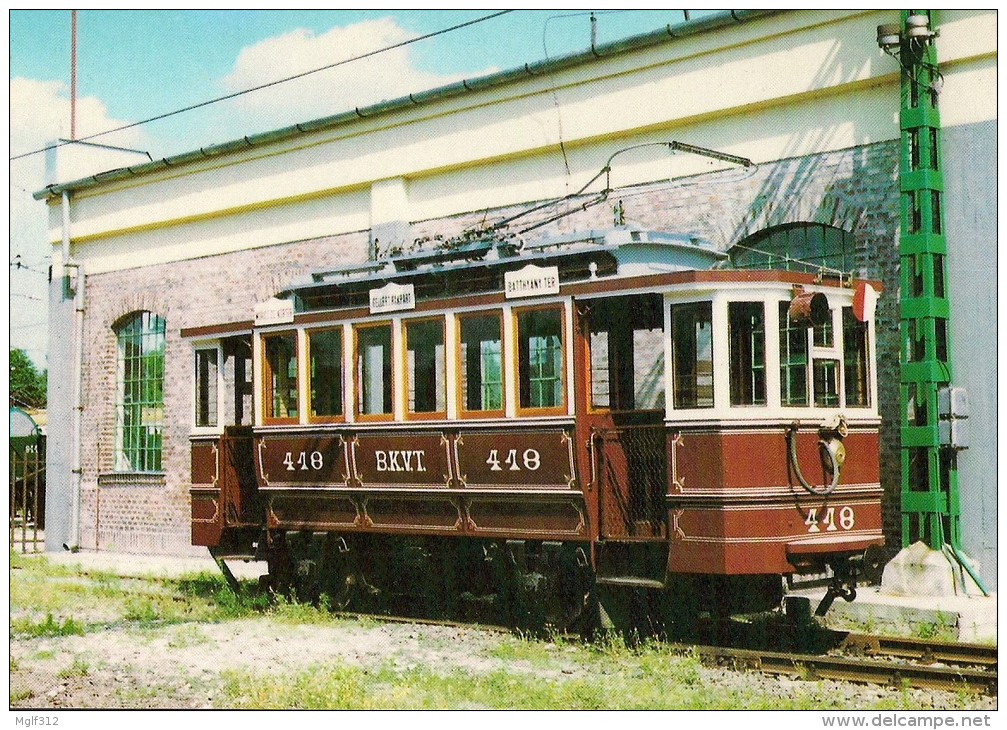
(736, 507)
(486, 482)
(207, 514)
(223, 494)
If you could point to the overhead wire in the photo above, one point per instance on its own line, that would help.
(266, 85)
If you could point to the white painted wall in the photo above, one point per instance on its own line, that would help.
(780, 86)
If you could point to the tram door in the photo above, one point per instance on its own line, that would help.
(623, 391)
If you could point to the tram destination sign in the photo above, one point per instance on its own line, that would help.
(531, 281)
(393, 297)
(274, 311)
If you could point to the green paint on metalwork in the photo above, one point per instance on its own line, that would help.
(930, 497)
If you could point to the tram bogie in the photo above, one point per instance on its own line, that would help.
(514, 435)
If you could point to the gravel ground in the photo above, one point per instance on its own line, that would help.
(182, 665)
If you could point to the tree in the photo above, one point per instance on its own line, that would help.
(27, 384)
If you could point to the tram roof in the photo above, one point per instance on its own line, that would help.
(618, 251)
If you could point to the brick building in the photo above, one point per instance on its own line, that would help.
(200, 239)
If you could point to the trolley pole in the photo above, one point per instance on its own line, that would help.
(932, 429)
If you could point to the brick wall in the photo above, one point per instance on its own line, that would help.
(854, 189)
(138, 514)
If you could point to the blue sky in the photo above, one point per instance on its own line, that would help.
(143, 63)
(133, 65)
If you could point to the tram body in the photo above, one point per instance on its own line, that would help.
(611, 410)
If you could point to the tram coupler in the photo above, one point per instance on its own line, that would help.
(839, 588)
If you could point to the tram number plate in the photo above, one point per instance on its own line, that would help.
(531, 460)
(830, 519)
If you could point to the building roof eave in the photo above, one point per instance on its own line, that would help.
(528, 70)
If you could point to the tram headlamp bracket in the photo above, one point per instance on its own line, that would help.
(831, 450)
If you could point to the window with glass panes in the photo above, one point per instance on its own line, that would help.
(281, 401)
(374, 370)
(207, 379)
(692, 354)
(855, 362)
(481, 363)
(627, 353)
(425, 367)
(139, 423)
(746, 327)
(793, 360)
(325, 354)
(540, 358)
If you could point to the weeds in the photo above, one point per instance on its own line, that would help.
(79, 668)
(21, 695)
(48, 627)
(943, 628)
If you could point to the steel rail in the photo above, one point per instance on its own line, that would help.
(923, 651)
(863, 670)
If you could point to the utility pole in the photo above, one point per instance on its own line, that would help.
(933, 412)
(73, 74)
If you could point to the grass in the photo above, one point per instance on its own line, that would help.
(644, 680)
(21, 695)
(79, 668)
(513, 672)
(942, 628)
(49, 626)
(40, 588)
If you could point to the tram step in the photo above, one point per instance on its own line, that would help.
(245, 557)
(628, 581)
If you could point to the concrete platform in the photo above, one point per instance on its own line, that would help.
(965, 618)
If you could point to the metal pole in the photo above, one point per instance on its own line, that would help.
(931, 502)
(73, 74)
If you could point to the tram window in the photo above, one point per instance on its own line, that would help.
(239, 409)
(281, 377)
(855, 363)
(207, 380)
(793, 360)
(601, 368)
(627, 353)
(826, 381)
(425, 367)
(325, 357)
(374, 370)
(540, 359)
(692, 354)
(746, 325)
(823, 334)
(481, 364)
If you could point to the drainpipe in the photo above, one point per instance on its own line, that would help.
(77, 332)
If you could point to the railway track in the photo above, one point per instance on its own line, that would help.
(911, 663)
(884, 660)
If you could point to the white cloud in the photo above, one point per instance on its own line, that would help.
(39, 115)
(387, 75)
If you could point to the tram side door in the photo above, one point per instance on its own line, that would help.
(621, 405)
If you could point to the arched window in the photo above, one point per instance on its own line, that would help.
(139, 393)
(796, 247)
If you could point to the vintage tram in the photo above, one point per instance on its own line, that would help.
(530, 431)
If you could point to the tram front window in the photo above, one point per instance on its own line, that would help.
(374, 370)
(746, 325)
(481, 369)
(425, 367)
(692, 354)
(540, 359)
(627, 353)
(855, 362)
(793, 360)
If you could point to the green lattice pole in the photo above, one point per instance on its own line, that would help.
(930, 498)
